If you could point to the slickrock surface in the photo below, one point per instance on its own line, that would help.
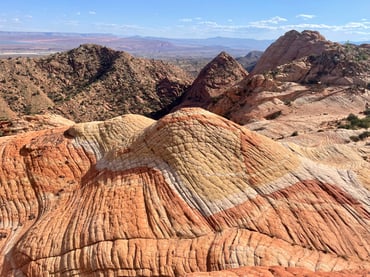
(29, 123)
(276, 271)
(190, 193)
(291, 46)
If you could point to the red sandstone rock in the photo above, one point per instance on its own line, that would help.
(29, 123)
(190, 193)
(277, 271)
(291, 46)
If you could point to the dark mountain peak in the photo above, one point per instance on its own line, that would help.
(223, 64)
(90, 47)
(250, 60)
(254, 54)
(90, 82)
(223, 55)
(222, 72)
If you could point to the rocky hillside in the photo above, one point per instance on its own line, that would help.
(88, 83)
(192, 192)
(305, 97)
(218, 75)
(250, 60)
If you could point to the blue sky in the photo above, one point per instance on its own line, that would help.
(337, 20)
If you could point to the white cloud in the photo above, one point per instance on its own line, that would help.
(276, 20)
(263, 29)
(268, 23)
(305, 16)
(78, 13)
(210, 23)
(273, 20)
(186, 20)
(357, 25)
(92, 12)
(128, 29)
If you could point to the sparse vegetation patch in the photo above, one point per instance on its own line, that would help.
(354, 122)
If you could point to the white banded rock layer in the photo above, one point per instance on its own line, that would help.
(192, 192)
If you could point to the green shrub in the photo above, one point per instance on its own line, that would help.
(351, 117)
(356, 123)
(361, 136)
(273, 115)
(364, 135)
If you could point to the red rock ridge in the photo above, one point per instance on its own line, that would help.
(190, 193)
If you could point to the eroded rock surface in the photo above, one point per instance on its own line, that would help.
(291, 46)
(192, 192)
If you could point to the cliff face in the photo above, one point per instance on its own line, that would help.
(192, 192)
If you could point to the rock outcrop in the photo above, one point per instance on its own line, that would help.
(307, 85)
(308, 57)
(291, 46)
(192, 192)
(29, 123)
(218, 75)
(342, 65)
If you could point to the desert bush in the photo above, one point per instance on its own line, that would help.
(356, 123)
(364, 135)
(273, 115)
(354, 138)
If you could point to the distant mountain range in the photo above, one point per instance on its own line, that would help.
(26, 43)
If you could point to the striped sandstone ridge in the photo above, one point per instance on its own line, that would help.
(192, 192)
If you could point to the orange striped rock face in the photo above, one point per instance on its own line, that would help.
(188, 194)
